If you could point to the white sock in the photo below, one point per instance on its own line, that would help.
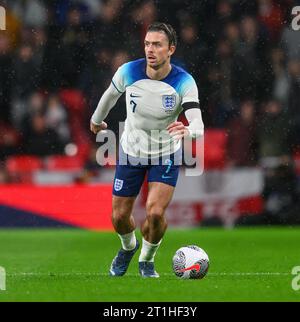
(128, 241)
(148, 251)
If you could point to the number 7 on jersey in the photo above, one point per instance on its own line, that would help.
(133, 103)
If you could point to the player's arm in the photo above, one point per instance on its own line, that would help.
(191, 108)
(106, 103)
(195, 128)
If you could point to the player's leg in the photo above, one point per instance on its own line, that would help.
(127, 184)
(154, 226)
(123, 220)
(162, 181)
(124, 225)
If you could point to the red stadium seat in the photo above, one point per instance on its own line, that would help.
(20, 168)
(215, 148)
(24, 163)
(215, 141)
(73, 99)
(297, 162)
(76, 104)
(66, 163)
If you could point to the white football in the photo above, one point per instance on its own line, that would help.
(190, 262)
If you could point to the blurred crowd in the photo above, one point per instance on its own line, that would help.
(244, 56)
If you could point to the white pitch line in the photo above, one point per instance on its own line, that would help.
(95, 274)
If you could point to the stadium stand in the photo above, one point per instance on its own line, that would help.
(57, 58)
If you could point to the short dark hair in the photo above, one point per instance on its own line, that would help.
(167, 29)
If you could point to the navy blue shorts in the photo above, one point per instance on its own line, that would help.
(129, 178)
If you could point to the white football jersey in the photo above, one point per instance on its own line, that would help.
(151, 106)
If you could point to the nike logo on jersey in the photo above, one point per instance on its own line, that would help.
(132, 95)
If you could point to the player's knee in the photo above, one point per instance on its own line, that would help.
(121, 210)
(155, 213)
(119, 215)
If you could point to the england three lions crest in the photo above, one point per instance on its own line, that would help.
(118, 184)
(169, 102)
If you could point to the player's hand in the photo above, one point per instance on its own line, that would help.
(178, 130)
(97, 128)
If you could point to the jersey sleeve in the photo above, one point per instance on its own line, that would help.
(189, 90)
(118, 80)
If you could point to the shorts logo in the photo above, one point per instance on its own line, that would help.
(169, 163)
(118, 184)
(169, 102)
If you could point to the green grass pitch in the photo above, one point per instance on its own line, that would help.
(246, 264)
